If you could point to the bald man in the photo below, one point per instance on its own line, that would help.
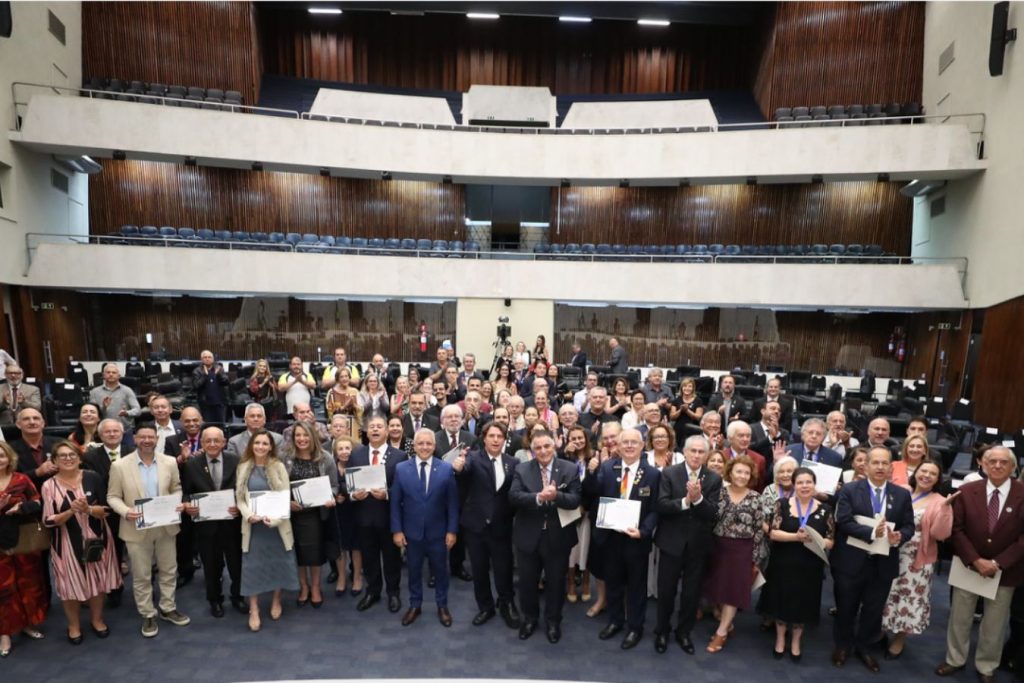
(16, 395)
(114, 398)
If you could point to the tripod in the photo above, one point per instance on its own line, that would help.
(500, 344)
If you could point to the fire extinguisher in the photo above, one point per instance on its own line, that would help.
(423, 337)
(901, 350)
(892, 344)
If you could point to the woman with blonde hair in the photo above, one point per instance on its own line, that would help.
(263, 388)
(913, 453)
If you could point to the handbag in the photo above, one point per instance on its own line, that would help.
(92, 550)
(33, 537)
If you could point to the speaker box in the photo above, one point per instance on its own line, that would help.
(6, 21)
(1000, 37)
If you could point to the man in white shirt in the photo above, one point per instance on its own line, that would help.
(160, 407)
(296, 384)
(838, 437)
(580, 399)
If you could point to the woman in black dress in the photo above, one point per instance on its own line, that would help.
(792, 594)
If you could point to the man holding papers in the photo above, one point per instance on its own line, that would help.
(812, 436)
(988, 537)
(425, 521)
(218, 531)
(146, 475)
(863, 577)
(625, 550)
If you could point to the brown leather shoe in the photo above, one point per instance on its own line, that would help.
(868, 661)
(986, 678)
(411, 615)
(839, 656)
(947, 669)
(444, 616)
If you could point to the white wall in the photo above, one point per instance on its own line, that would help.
(983, 218)
(476, 323)
(382, 107)
(30, 203)
(653, 114)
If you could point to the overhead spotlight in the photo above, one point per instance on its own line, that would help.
(120, 155)
(447, 180)
(653, 22)
(481, 15)
(324, 10)
(565, 183)
(751, 180)
(257, 165)
(325, 172)
(385, 175)
(883, 177)
(817, 179)
(406, 13)
(191, 161)
(574, 20)
(624, 183)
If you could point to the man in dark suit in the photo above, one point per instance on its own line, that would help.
(210, 382)
(373, 519)
(773, 392)
(486, 477)
(425, 521)
(99, 459)
(183, 447)
(862, 580)
(579, 357)
(688, 496)
(166, 427)
(727, 402)
(988, 537)
(540, 488)
(34, 448)
(766, 436)
(625, 552)
(617, 360)
(417, 418)
(448, 437)
(812, 434)
(219, 540)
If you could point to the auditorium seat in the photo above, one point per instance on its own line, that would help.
(186, 233)
(588, 249)
(836, 250)
(213, 103)
(224, 237)
(375, 243)
(408, 244)
(293, 238)
(874, 251)
(129, 232)
(326, 242)
(193, 102)
(168, 232)
(819, 251)
(856, 250)
(392, 244)
(261, 241)
(439, 248)
(359, 243)
(801, 111)
(241, 236)
(786, 112)
(716, 249)
(277, 238)
(149, 232)
(732, 250)
(910, 109)
(836, 110)
(423, 244)
(194, 91)
(343, 244)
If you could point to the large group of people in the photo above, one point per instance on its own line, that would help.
(606, 497)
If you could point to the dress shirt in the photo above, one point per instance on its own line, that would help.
(112, 453)
(1004, 492)
(692, 475)
(162, 432)
(149, 474)
(631, 471)
(548, 470)
(499, 471)
(216, 468)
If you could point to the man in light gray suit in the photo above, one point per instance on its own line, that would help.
(618, 361)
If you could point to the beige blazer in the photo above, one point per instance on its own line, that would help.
(125, 488)
(278, 477)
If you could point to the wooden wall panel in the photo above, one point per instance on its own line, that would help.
(824, 53)
(152, 193)
(999, 401)
(451, 52)
(205, 44)
(846, 213)
(936, 354)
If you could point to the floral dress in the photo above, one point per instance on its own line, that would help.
(908, 609)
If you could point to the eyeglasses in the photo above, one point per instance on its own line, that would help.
(66, 456)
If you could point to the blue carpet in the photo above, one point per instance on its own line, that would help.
(323, 643)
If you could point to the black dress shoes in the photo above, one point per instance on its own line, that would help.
(411, 615)
(444, 616)
(75, 640)
(684, 642)
(839, 656)
(462, 573)
(105, 633)
(527, 629)
(239, 605)
(660, 643)
(394, 603)
(632, 639)
(217, 609)
(609, 631)
(868, 661)
(510, 614)
(367, 601)
(554, 633)
(183, 580)
(483, 617)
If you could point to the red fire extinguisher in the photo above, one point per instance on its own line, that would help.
(892, 344)
(901, 350)
(423, 337)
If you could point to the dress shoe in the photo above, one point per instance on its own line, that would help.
(716, 643)
(684, 642)
(394, 603)
(301, 602)
(839, 656)
(510, 614)
(367, 601)
(660, 643)
(632, 639)
(554, 633)
(75, 640)
(432, 582)
(411, 615)
(333, 576)
(776, 654)
(527, 629)
(32, 633)
(946, 669)
(100, 632)
(355, 591)
(796, 658)
(183, 580)
(462, 573)
(239, 605)
(609, 631)
(483, 617)
(444, 616)
(986, 678)
(868, 661)
(217, 609)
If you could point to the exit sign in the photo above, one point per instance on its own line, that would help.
(945, 326)
(46, 306)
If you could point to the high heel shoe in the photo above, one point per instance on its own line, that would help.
(254, 620)
(717, 643)
(275, 612)
(776, 654)
(75, 640)
(32, 633)
(595, 610)
(796, 658)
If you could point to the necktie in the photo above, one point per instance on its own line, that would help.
(215, 473)
(416, 425)
(545, 476)
(113, 455)
(192, 443)
(814, 458)
(376, 457)
(499, 473)
(423, 474)
(993, 510)
(14, 396)
(624, 487)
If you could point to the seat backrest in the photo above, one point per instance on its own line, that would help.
(310, 238)
(186, 233)
(129, 231)
(423, 243)
(375, 243)
(148, 231)
(293, 238)
(223, 235)
(801, 111)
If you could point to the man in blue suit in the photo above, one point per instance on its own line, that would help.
(424, 521)
(812, 435)
(863, 580)
(626, 552)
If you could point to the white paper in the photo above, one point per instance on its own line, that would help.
(567, 517)
(956, 483)
(311, 493)
(366, 478)
(159, 511)
(827, 476)
(214, 505)
(271, 504)
(971, 581)
(965, 402)
(450, 456)
(618, 514)
(877, 546)
(759, 581)
(991, 430)
(817, 544)
(1009, 443)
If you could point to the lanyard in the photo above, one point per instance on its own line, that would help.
(800, 512)
(785, 496)
(923, 495)
(876, 502)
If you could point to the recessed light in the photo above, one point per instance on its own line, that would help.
(257, 165)
(324, 10)
(653, 22)
(577, 20)
(482, 15)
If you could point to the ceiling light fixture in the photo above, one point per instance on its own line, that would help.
(653, 22)
(575, 20)
(481, 15)
(324, 10)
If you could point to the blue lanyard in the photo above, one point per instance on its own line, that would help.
(785, 496)
(876, 502)
(923, 495)
(800, 512)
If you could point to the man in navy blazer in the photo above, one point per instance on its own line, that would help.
(425, 521)
(373, 519)
(812, 434)
(862, 580)
(625, 552)
(486, 477)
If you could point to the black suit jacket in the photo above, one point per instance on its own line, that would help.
(531, 518)
(855, 499)
(172, 444)
(739, 407)
(97, 460)
(761, 443)
(486, 509)
(785, 403)
(27, 464)
(195, 478)
(372, 512)
(580, 361)
(606, 482)
(444, 444)
(427, 421)
(689, 530)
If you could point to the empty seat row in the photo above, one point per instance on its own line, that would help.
(704, 252)
(138, 91)
(853, 114)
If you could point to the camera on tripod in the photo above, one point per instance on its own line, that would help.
(504, 329)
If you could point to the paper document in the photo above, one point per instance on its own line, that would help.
(965, 578)
(618, 514)
(450, 456)
(311, 493)
(366, 478)
(817, 544)
(214, 505)
(271, 504)
(877, 546)
(759, 581)
(827, 476)
(159, 511)
(567, 517)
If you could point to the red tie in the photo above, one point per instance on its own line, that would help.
(993, 510)
(376, 457)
